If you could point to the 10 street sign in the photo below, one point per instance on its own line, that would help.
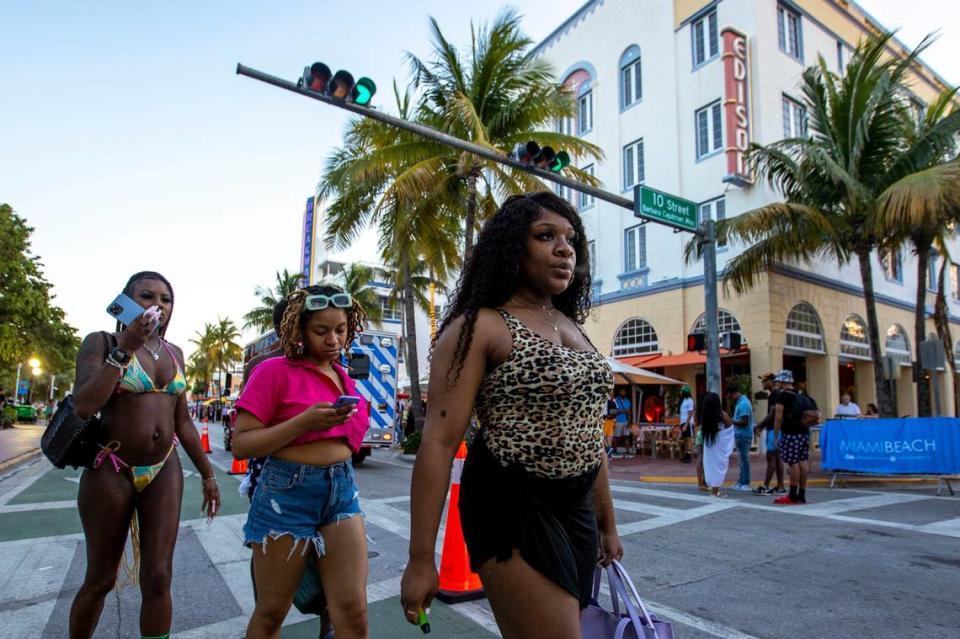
(664, 208)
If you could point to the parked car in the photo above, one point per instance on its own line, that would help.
(26, 413)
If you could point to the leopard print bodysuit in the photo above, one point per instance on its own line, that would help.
(543, 406)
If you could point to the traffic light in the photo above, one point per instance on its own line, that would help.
(340, 85)
(229, 384)
(696, 341)
(730, 341)
(541, 157)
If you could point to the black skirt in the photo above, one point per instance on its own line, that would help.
(551, 521)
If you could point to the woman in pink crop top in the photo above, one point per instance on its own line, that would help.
(306, 503)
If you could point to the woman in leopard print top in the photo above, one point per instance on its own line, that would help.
(535, 496)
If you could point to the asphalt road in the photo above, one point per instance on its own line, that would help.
(851, 563)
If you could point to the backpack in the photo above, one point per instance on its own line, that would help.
(805, 412)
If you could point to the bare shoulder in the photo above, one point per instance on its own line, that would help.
(490, 336)
(178, 351)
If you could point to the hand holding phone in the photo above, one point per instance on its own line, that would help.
(346, 400)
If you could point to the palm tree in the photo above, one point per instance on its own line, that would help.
(356, 281)
(922, 211)
(261, 317)
(856, 169)
(200, 365)
(224, 349)
(371, 180)
(499, 95)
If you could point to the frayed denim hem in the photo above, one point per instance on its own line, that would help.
(316, 541)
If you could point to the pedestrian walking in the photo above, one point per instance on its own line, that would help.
(306, 504)
(609, 426)
(718, 441)
(687, 412)
(764, 428)
(535, 499)
(743, 433)
(622, 435)
(794, 414)
(134, 379)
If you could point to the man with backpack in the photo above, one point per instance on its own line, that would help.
(793, 416)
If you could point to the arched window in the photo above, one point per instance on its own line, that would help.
(635, 337)
(956, 356)
(725, 320)
(804, 330)
(898, 344)
(853, 338)
(579, 82)
(631, 77)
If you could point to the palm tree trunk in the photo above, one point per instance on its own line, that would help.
(410, 326)
(941, 318)
(884, 403)
(920, 325)
(471, 214)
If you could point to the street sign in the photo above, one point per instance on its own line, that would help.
(664, 208)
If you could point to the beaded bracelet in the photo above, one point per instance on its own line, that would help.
(206, 479)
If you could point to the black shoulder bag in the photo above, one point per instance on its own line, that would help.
(69, 440)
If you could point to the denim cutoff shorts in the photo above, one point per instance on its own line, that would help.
(299, 499)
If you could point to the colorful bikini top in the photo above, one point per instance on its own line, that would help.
(136, 380)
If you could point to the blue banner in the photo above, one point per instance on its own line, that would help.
(915, 445)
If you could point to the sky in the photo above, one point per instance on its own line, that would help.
(129, 143)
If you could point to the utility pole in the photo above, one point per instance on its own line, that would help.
(650, 204)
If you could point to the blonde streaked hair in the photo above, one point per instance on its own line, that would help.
(296, 315)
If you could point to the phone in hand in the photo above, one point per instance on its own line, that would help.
(125, 310)
(346, 400)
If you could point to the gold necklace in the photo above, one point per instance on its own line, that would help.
(550, 318)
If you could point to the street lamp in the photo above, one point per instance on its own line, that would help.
(34, 365)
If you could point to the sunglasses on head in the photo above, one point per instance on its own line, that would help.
(320, 302)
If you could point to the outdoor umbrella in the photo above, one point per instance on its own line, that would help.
(624, 373)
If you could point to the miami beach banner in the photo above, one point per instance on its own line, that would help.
(918, 445)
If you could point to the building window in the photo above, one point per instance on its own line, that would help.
(804, 331)
(633, 173)
(892, 263)
(794, 119)
(788, 30)
(955, 281)
(391, 313)
(715, 210)
(635, 248)
(709, 131)
(631, 85)
(592, 258)
(635, 337)
(853, 338)
(564, 192)
(585, 112)
(585, 199)
(898, 345)
(706, 39)
(565, 126)
(839, 57)
(726, 323)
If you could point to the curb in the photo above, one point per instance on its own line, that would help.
(20, 459)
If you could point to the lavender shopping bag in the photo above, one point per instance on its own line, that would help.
(633, 622)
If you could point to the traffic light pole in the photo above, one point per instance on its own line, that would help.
(705, 234)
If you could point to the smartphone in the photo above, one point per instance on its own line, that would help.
(346, 400)
(125, 310)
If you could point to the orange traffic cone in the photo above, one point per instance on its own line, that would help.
(239, 467)
(457, 582)
(205, 438)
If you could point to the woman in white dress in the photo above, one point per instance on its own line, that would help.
(718, 442)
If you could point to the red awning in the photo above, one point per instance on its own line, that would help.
(684, 359)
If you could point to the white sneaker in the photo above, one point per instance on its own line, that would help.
(742, 488)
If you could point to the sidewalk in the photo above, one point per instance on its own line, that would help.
(19, 444)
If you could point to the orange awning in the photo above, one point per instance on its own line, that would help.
(683, 359)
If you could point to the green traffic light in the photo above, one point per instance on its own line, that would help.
(560, 162)
(363, 91)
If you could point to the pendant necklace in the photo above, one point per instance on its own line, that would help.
(155, 354)
(545, 317)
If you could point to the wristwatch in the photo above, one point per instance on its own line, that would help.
(120, 356)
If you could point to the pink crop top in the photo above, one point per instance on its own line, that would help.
(281, 388)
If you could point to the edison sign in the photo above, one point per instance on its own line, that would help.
(736, 106)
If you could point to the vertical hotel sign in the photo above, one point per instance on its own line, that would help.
(306, 267)
(736, 106)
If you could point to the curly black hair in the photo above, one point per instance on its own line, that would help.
(491, 273)
(148, 275)
(295, 319)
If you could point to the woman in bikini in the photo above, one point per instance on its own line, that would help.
(134, 379)
(535, 498)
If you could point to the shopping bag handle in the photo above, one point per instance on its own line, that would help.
(622, 580)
